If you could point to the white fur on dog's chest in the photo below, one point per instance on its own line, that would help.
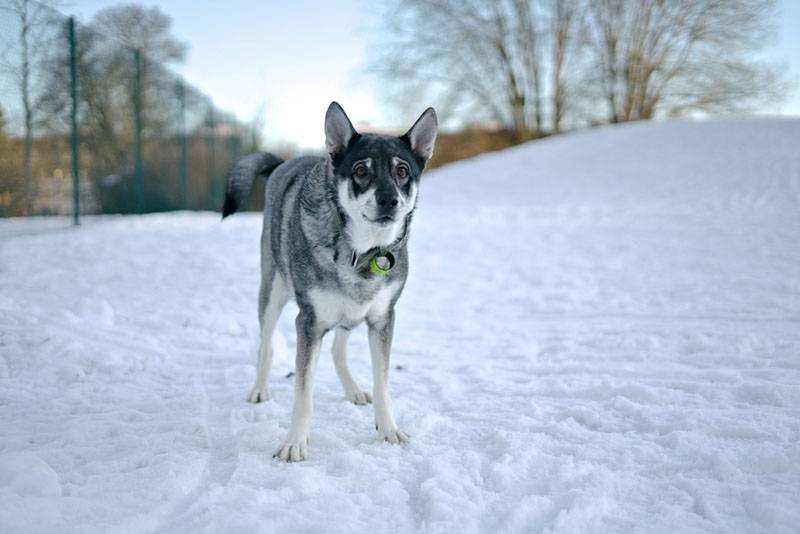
(335, 308)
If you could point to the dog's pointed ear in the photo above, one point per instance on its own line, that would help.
(338, 129)
(422, 136)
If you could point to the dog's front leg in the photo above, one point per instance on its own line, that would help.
(380, 332)
(309, 338)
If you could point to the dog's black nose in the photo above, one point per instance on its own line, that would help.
(387, 202)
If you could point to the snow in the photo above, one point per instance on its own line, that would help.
(600, 333)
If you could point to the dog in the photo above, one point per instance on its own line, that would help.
(334, 238)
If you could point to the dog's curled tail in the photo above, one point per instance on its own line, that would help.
(241, 177)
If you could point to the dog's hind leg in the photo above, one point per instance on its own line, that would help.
(309, 338)
(273, 296)
(352, 392)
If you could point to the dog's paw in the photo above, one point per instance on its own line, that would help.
(293, 450)
(358, 397)
(394, 436)
(258, 394)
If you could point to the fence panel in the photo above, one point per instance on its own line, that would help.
(35, 175)
(140, 138)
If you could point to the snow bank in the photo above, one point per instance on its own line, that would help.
(601, 333)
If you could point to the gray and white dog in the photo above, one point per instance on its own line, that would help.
(335, 238)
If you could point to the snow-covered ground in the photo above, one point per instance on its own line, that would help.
(601, 333)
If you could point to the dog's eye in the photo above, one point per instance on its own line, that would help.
(402, 174)
(360, 172)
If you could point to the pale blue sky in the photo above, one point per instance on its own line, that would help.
(288, 60)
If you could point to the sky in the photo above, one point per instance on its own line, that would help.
(286, 61)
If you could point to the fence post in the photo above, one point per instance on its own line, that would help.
(212, 181)
(184, 160)
(73, 71)
(137, 112)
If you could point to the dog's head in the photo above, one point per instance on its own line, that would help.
(377, 176)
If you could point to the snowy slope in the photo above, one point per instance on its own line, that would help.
(601, 333)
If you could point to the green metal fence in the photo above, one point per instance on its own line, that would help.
(89, 124)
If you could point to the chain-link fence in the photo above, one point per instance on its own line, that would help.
(90, 125)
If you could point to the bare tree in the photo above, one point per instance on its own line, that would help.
(105, 67)
(678, 56)
(147, 29)
(32, 17)
(487, 56)
(527, 42)
(565, 24)
(532, 64)
(144, 28)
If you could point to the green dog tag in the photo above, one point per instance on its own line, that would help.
(381, 264)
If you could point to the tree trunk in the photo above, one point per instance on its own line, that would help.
(537, 102)
(612, 81)
(518, 111)
(563, 15)
(26, 105)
